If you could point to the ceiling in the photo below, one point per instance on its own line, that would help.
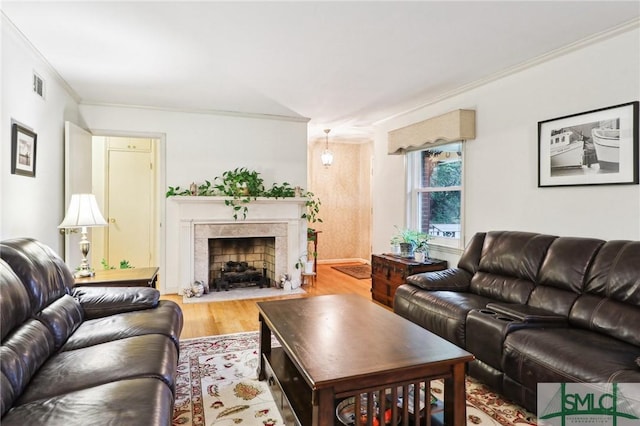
(343, 65)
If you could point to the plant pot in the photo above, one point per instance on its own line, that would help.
(406, 249)
(419, 256)
(308, 267)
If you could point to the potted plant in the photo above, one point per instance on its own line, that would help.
(241, 185)
(408, 240)
(313, 208)
(421, 250)
(305, 264)
(124, 264)
(312, 205)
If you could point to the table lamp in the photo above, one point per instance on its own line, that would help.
(83, 212)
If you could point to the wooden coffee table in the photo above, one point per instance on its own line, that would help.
(131, 277)
(340, 346)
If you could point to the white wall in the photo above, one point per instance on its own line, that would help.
(199, 147)
(501, 190)
(32, 207)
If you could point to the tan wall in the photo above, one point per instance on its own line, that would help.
(344, 189)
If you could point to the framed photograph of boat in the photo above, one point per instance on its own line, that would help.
(590, 148)
(23, 151)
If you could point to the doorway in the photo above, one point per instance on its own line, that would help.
(124, 181)
(345, 191)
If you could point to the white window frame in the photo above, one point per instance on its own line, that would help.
(414, 189)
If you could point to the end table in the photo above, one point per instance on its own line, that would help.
(132, 277)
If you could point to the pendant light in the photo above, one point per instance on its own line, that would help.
(327, 156)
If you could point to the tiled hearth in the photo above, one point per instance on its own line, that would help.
(192, 221)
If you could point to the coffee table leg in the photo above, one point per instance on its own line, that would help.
(325, 412)
(265, 347)
(455, 408)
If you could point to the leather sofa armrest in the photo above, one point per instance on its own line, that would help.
(526, 313)
(452, 279)
(100, 302)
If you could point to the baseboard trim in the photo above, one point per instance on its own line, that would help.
(346, 260)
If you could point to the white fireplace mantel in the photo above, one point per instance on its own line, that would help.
(185, 214)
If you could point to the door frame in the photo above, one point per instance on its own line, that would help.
(160, 185)
(78, 151)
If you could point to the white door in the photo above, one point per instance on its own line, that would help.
(130, 201)
(77, 180)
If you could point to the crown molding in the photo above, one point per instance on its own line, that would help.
(564, 50)
(202, 111)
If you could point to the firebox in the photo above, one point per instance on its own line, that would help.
(241, 262)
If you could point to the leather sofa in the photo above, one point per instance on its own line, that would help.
(535, 308)
(85, 355)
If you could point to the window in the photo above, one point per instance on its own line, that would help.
(435, 192)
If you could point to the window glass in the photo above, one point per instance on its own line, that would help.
(435, 205)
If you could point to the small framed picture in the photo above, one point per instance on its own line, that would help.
(23, 151)
(590, 148)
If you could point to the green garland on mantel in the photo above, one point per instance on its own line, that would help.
(242, 186)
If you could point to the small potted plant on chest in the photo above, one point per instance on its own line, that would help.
(421, 249)
(408, 240)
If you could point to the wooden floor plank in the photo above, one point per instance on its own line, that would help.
(208, 319)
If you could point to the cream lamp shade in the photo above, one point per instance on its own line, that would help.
(82, 212)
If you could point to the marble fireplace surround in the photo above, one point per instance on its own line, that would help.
(203, 232)
(191, 221)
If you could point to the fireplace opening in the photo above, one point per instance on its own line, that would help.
(241, 274)
(241, 262)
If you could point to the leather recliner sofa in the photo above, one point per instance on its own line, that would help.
(535, 308)
(81, 356)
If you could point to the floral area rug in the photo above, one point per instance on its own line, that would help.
(488, 408)
(217, 385)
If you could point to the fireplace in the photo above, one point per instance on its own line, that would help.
(243, 262)
(236, 240)
(192, 221)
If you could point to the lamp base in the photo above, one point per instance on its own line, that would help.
(84, 270)
(83, 273)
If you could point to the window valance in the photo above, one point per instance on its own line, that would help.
(450, 127)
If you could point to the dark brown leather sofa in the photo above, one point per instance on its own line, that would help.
(83, 356)
(535, 308)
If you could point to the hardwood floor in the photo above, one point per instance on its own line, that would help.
(208, 319)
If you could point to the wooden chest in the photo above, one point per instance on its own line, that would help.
(390, 271)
